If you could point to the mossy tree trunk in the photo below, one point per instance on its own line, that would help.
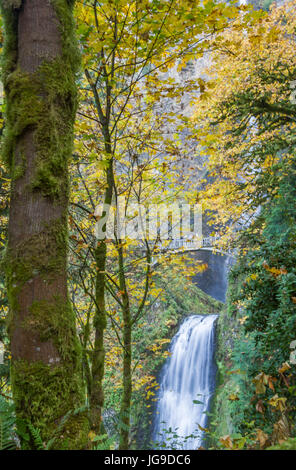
(98, 356)
(40, 63)
(100, 317)
(125, 407)
(127, 356)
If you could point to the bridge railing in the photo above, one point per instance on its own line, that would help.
(188, 244)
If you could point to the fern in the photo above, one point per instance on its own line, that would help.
(13, 430)
(103, 442)
(61, 425)
(7, 426)
(36, 436)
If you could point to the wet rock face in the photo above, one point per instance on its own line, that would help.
(213, 281)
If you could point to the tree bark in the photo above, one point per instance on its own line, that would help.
(100, 318)
(40, 64)
(125, 407)
(98, 356)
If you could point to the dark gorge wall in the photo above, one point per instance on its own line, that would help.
(213, 281)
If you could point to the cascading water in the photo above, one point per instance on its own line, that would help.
(187, 383)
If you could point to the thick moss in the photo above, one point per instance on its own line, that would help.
(33, 257)
(43, 395)
(43, 103)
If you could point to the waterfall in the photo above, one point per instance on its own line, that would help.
(187, 383)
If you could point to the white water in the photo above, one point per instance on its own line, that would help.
(189, 374)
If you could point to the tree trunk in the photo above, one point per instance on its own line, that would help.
(127, 383)
(127, 356)
(100, 317)
(40, 62)
(98, 357)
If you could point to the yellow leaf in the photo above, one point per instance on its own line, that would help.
(284, 368)
(233, 397)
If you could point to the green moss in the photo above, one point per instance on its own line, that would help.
(44, 255)
(32, 103)
(55, 321)
(43, 396)
(9, 55)
(44, 393)
(64, 11)
(18, 172)
(289, 444)
(44, 101)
